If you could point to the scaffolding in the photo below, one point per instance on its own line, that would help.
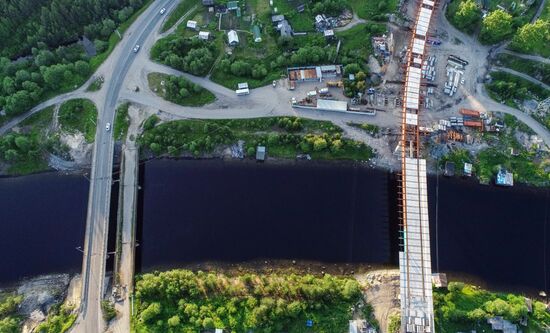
(414, 256)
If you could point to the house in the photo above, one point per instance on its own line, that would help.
(208, 3)
(329, 33)
(232, 5)
(233, 38)
(192, 24)
(260, 153)
(277, 18)
(204, 35)
(256, 33)
(284, 28)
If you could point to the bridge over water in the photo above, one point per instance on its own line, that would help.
(417, 313)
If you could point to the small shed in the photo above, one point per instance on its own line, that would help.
(232, 5)
(192, 24)
(233, 38)
(329, 33)
(449, 169)
(256, 33)
(208, 3)
(204, 35)
(284, 28)
(277, 18)
(260, 153)
(242, 85)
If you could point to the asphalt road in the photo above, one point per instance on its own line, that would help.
(95, 248)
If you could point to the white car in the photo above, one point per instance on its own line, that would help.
(162, 11)
(136, 48)
(108, 127)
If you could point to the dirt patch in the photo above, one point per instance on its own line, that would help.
(80, 151)
(382, 293)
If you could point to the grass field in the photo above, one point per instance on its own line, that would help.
(374, 10)
(122, 121)
(79, 115)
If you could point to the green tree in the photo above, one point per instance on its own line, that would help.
(174, 321)
(496, 27)
(467, 15)
(532, 37)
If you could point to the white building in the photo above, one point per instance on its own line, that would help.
(192, 24)
(204, 35)
(233, 37)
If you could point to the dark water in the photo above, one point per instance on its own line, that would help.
(42, 220)
(214, 210)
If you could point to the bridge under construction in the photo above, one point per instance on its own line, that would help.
(417, 313)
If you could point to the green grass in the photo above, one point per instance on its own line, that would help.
(79, 115)
(95, 85)
(97, 60)
(195, 99)
(239, 303)
(371, 10)
(122, 122)
(284, 137)
(464, 307)
(369, 128)
(182, 8)
(59, 320)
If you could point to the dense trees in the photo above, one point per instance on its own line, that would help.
(9, 323)
(533, 38)
(187, 54)
(496, 27)
(329, 7)
(184, 92)
(468, 304)
(45, 32)
(181, 301)
(25, 23)
(466, 16)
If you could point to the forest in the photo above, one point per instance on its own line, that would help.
(39, 53)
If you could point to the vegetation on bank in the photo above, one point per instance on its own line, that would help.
(535, 69)
(179, 90)
(26, 150)
(184, 301)
(283, 137)
(9, 321)
(510, 89)
(60, 319)
(464, 307)
(79, 115)
(122, 122)
(528, 166)
(38, 61)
